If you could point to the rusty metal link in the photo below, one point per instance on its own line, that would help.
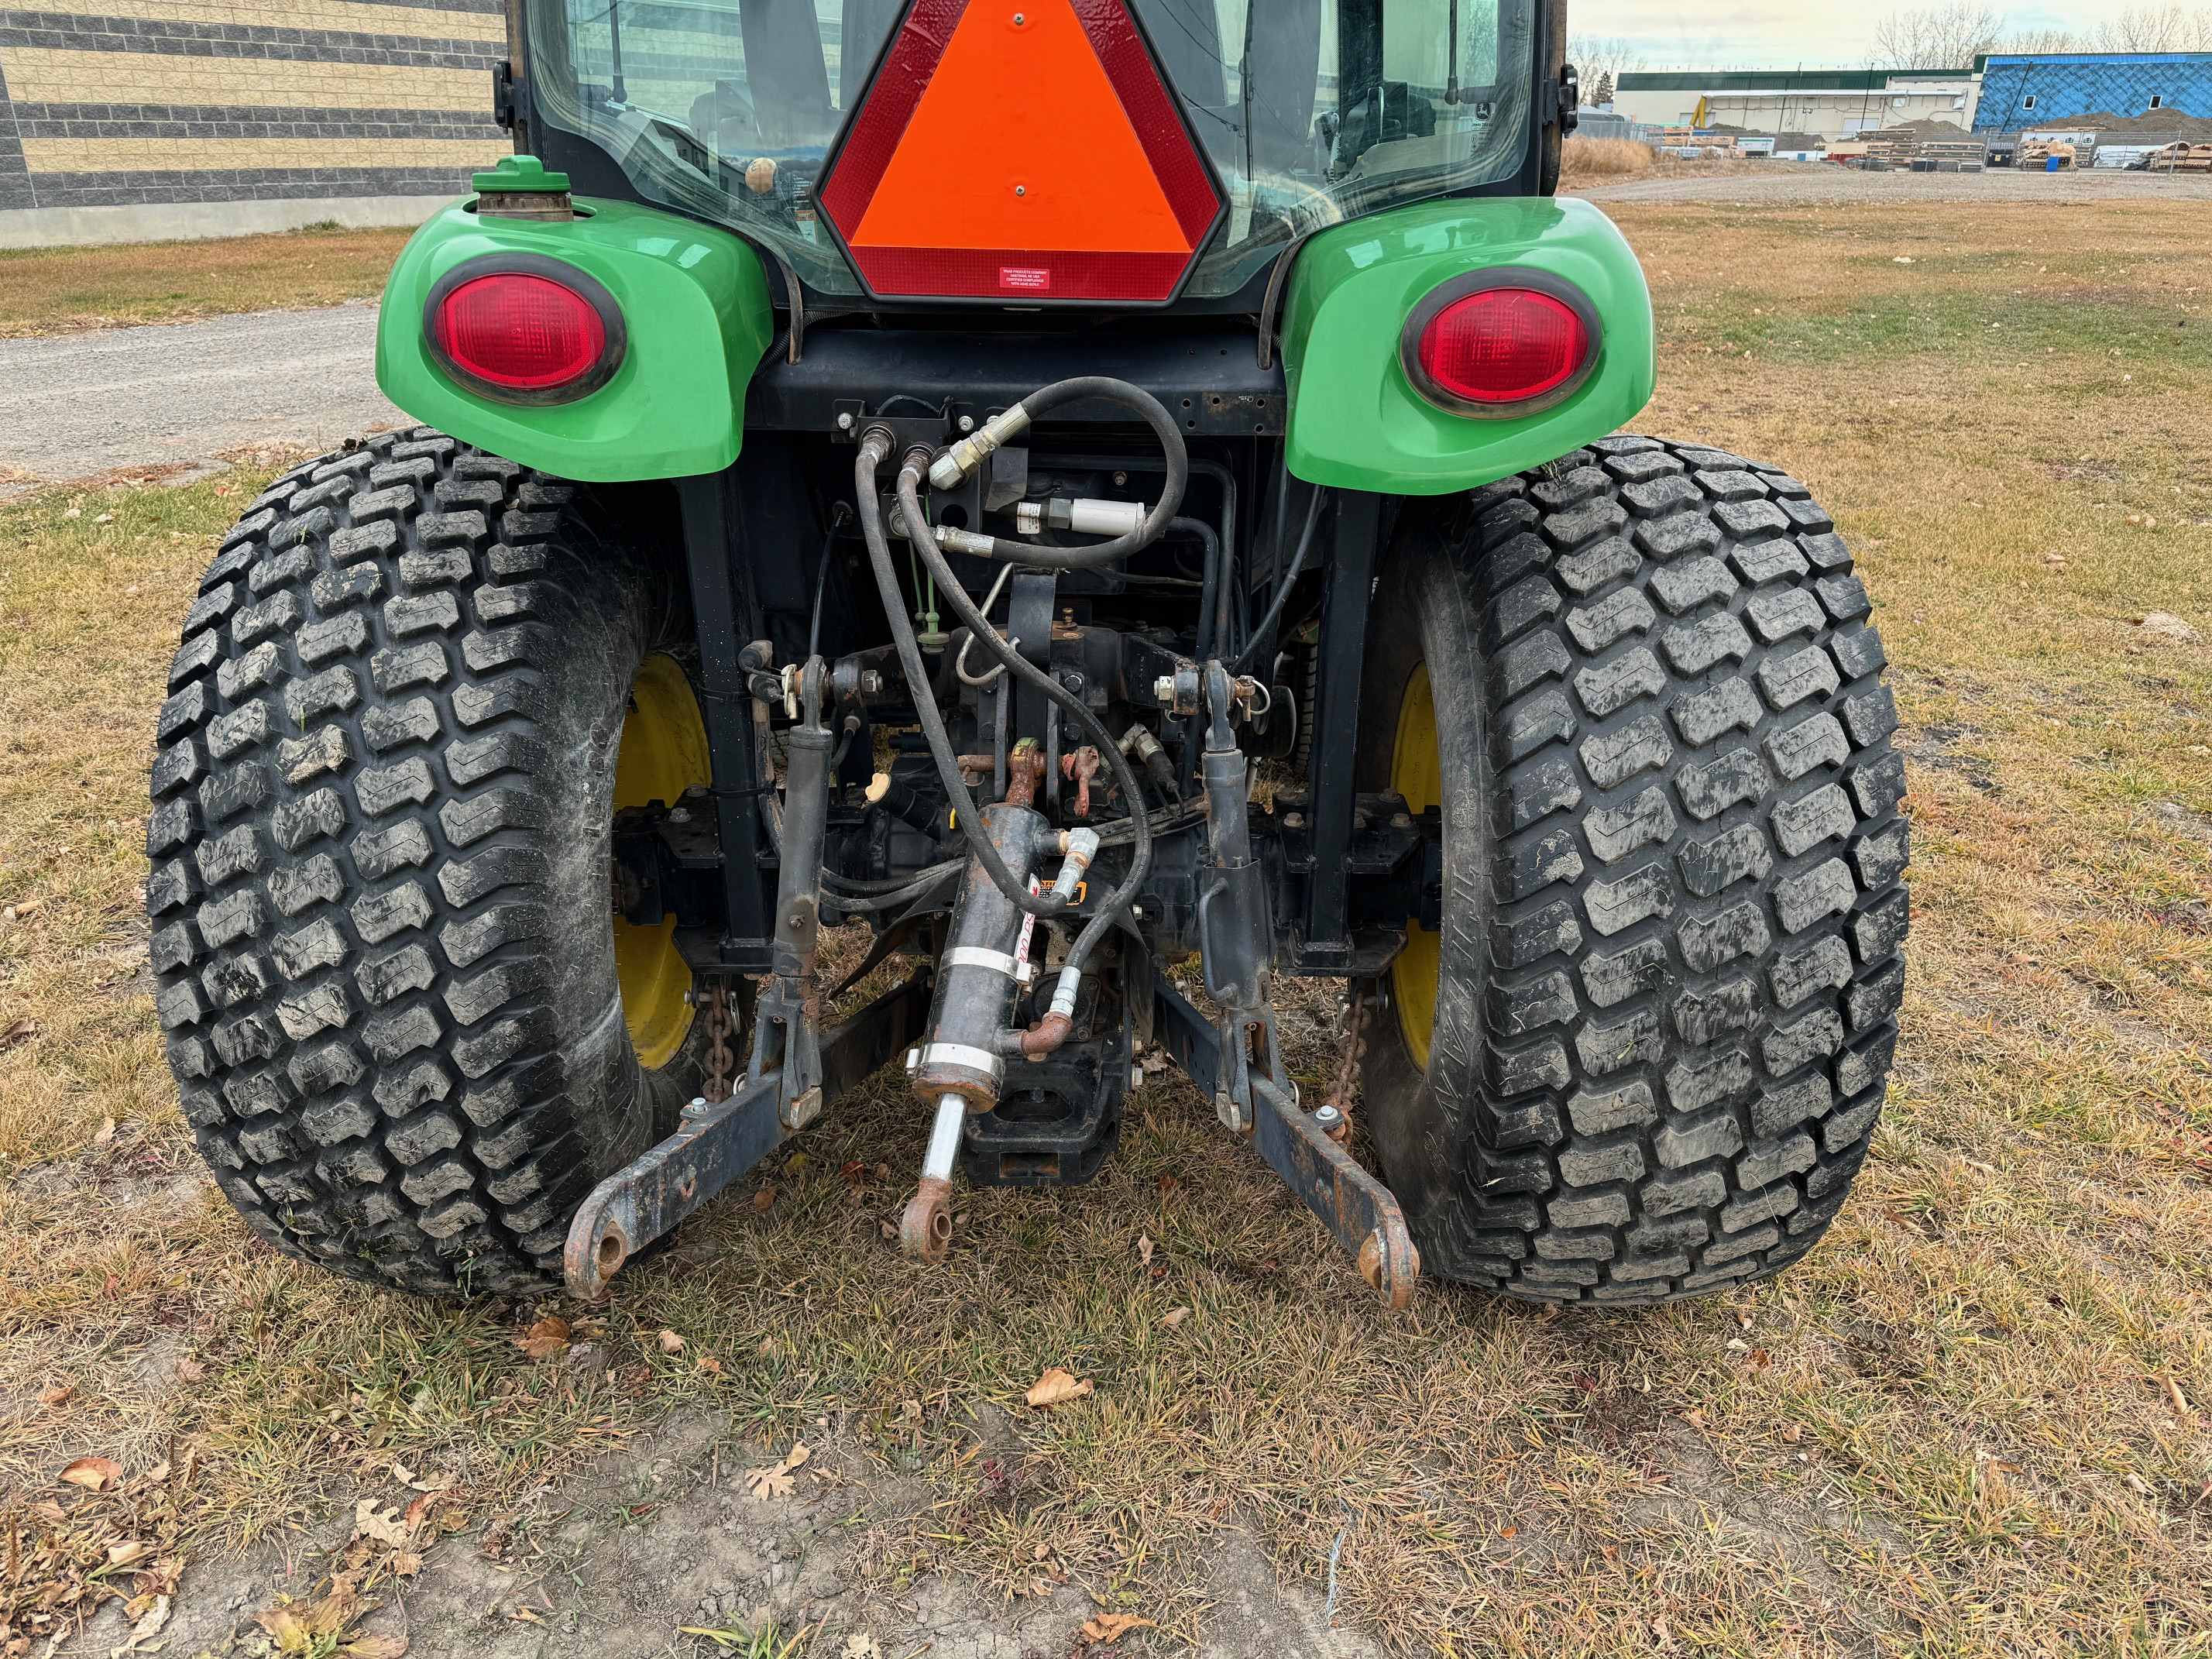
(722, 1054)
(1347, 1070)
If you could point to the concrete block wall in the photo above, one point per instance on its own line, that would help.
(204, 117)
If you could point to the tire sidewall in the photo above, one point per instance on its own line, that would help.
(1425, 615)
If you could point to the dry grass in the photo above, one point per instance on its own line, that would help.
(1972, 1424)
(1585, 159)
(47, 290)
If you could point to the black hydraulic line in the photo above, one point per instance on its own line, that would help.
(1213, 600)
(1288, 580)
(923, 542)
(970, 453)
(875, 449)
(860, 905)
(864, 888)
(838, 514)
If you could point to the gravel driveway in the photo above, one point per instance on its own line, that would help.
(88, 403)
(1791, 184)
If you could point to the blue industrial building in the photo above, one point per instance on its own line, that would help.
(2058, 89)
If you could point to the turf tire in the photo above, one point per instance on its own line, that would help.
(380, 894)
(1674, 913)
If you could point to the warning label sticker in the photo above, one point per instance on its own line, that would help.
(1026, 279)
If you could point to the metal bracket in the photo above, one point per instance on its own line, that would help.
(1360, 1210)
(1352, 1204)
(716, 1143)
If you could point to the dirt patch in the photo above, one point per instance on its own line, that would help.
(661, 1548)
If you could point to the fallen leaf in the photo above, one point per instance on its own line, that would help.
(128, 1550)
(1793, 1434)
(775, 1480)
(375, 1521)
(670, 1343)
(149, 1625)
(93, 1473)
(105, 1132)
(1694, 1418)
(1109, 1628)
(525, 1614)
(860, 1646)
(406, 1563)
(58, 1395)
(545, 1339)
(768, 1483)
(1056, 1387)
(855, 1173)
(1144, 1249)
(20, 1030)
(1173, 1317)
(765, 1198)
(375, 1647)
(190, 1370)
(708, 1364)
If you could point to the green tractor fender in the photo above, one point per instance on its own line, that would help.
(1357, 420)
(696, 315)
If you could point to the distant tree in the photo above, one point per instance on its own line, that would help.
(1602, 94)
(1604, 58)
(2033, 42)
(1948, 36)
(2158, 28)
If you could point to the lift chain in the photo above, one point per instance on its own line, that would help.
(721, 1055)
(1355, 1051)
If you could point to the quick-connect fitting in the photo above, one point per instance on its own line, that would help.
(971, 452)
(963, 541)
(1064, 993)
(1086, 515)
(1082, 847)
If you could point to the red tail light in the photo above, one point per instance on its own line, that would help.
(1500, 344)
(544, 334)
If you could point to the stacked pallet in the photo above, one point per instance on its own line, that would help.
(2183, 158)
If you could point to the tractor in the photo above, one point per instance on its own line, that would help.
(1103, 506)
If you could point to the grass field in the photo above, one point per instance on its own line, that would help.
(46, 291)
(1973, 1422)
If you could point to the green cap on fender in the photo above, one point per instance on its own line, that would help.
(520, 173)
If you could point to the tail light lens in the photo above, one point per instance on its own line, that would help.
(1502, 344)
(539, 332)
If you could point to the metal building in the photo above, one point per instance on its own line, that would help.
(2020, 93)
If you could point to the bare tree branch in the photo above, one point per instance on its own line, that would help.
(1948, 36)
(1605, 57)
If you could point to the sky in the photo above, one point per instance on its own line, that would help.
(1776, 34)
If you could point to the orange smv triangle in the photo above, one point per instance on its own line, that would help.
(1020, 142)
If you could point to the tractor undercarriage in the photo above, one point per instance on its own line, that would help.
(1106, 723)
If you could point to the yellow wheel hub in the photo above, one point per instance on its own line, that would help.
(1417, 773)
(662, 753)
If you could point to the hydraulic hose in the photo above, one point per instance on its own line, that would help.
(1213, 594)
(1093, 729)
(970, 453)
(1288, 582)
(875, 449)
